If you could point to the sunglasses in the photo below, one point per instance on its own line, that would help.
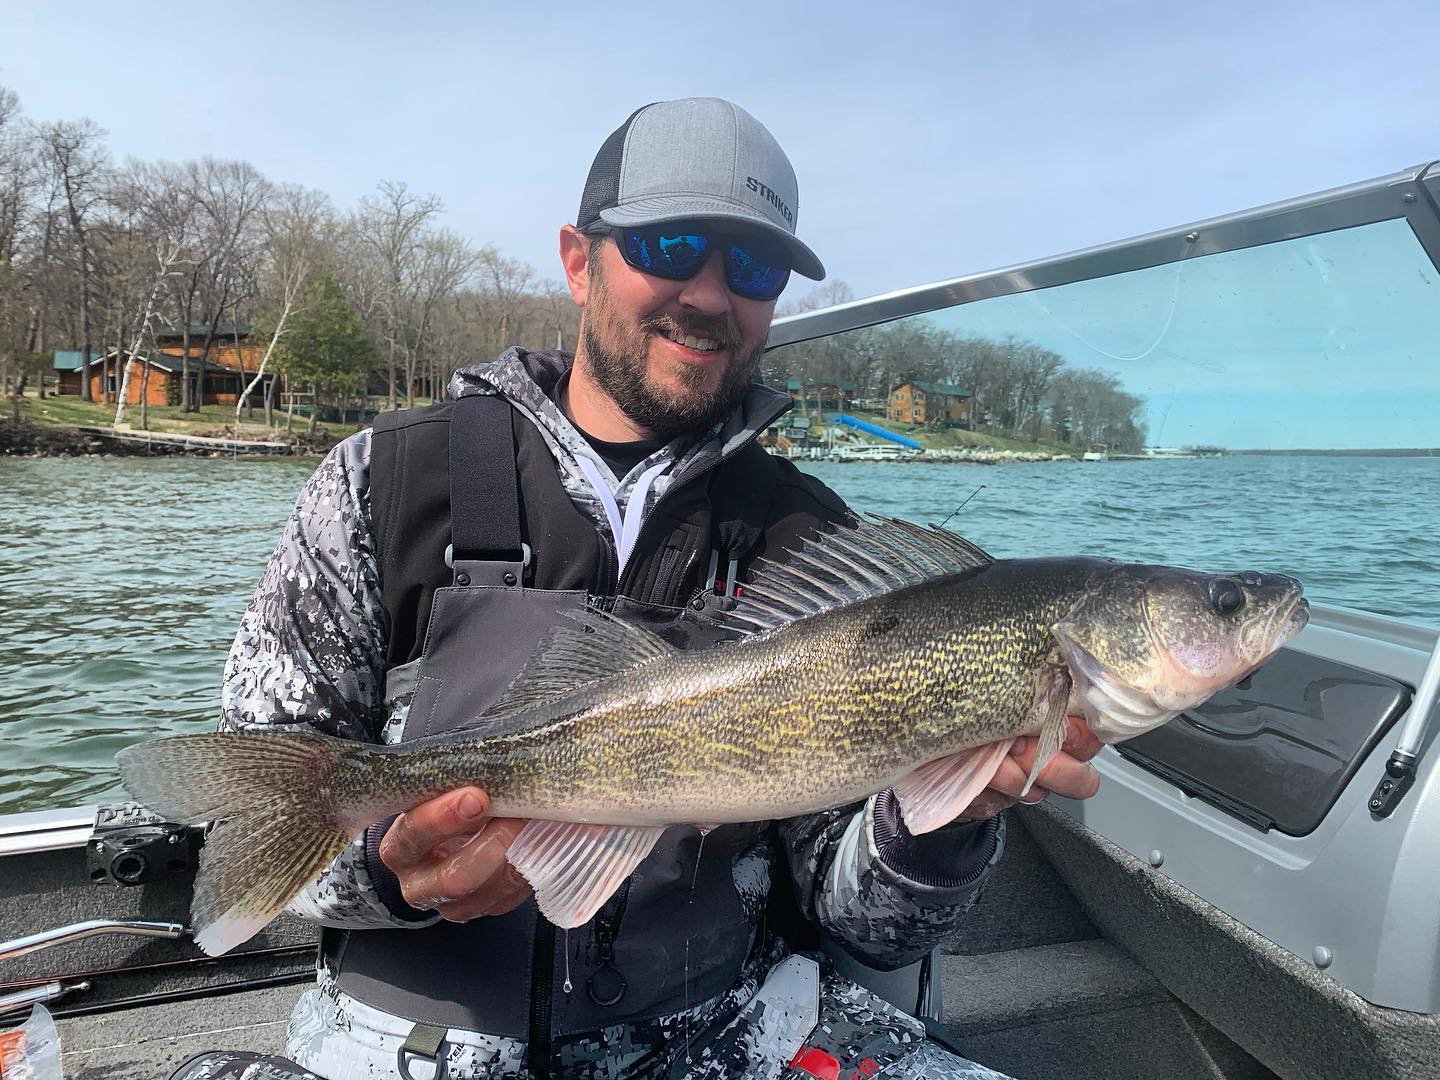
(676, 250)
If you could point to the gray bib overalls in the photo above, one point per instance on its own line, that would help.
(679, 932)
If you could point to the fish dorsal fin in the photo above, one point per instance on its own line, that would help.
(875, 555)
(589, 646)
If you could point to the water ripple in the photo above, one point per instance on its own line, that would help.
(122, 580)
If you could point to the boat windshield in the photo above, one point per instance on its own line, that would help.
(1274, 406)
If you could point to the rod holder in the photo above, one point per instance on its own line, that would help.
(20, 946)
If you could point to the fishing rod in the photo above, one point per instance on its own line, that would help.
(962, 506)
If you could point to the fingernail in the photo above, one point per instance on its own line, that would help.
(471, 806)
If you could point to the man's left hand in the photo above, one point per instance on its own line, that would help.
(1068, 773)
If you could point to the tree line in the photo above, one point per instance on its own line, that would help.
(106, 256)
(1018, 388)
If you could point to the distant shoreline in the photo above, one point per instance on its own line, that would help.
(1410, 452)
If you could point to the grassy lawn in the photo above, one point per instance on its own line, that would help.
(210, 420)
(215, 419)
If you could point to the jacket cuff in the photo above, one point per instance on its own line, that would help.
(950, 857)
(386, 884)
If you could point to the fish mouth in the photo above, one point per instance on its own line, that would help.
(1280, 631)
(1293, 621)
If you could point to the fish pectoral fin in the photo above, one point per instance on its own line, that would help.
(574, 868)
(1052, 702)
(934, 794)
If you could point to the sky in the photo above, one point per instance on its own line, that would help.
(930, 139)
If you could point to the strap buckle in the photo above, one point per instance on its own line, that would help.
(525, 555)
(732, 582)
(424, 1042)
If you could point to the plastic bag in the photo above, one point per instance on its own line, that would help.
(31, 1051)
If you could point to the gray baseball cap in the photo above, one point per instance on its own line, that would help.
(697, 158)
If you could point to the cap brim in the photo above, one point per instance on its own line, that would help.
(673, 208)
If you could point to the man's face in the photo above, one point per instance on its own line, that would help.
(673, 355)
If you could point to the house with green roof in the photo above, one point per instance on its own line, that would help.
(821, 394)
(930, 403)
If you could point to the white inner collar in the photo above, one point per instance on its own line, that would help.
(624, 527)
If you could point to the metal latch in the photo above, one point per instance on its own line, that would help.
(1400, 769)
(1399, 775)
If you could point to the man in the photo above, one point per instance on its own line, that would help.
(427, 559)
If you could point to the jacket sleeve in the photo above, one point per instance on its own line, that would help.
(886, 897)
(310, 656)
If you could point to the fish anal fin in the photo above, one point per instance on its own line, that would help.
(935, 794)
(1052, 703)
(574, 868)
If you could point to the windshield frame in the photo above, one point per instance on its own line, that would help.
(1411, 194)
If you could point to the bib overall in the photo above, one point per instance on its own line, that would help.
(481, 550)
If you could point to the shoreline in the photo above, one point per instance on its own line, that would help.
(25, 438)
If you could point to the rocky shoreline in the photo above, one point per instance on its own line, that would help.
(26, 439)
(975, 455)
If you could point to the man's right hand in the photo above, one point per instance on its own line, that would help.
(450, 857)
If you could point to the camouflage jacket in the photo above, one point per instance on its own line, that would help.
(310, 655)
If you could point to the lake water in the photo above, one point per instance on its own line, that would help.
(122, 580)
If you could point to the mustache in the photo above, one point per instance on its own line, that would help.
(717, 329)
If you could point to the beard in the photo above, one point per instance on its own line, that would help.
(619, 359)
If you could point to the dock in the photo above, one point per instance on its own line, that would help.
(166, 442)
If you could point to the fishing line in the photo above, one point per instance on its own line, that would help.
(961, 506)
(699, 851)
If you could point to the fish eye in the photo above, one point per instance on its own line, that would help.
(1226, 595)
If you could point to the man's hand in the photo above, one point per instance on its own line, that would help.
(450, 857)
(1068, 773)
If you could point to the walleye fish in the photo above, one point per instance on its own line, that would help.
(884, 655)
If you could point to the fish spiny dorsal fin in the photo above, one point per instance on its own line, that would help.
(872, 556)
(589, 646)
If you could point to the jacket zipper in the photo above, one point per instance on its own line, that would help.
(542, 961)
(686, 481)
(542, 980)
(606, 586)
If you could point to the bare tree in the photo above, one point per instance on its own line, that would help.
(231, 196)
(298, 231)
(17, 186)
(444, 262)
(504, 286)
(76, 157)
(391, 225)
(168, 252)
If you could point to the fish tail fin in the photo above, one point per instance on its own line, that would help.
(282, 824)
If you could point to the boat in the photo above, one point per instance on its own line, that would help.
(1095, 455)
(873, 452)
(1237, 902)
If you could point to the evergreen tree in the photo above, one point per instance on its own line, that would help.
(325, 346)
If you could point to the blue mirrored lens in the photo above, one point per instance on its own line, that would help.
(683, 251)
(665, 254)
(678, 251)
(754, 278)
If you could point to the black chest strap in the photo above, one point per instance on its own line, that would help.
(484, 496)
(485, 544)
